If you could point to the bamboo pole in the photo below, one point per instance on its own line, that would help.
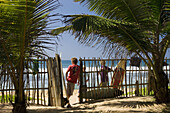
(27, 83)
(144, 81)
(93, 80)
(137, 89)
(96, 63)
(41, 83)
(117, 85)
(3, 98)
(85, 76)
(107, 79)
(44, 82)
(90, 78)
(6, 101)
(140, 76)
(38, 85)
(1, 81)
(126, 79)
(81, 80)
(132, 82)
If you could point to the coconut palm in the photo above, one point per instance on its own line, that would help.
(139, 27)
(24, 34)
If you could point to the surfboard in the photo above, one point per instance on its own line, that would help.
(99, 93)
(118, 74)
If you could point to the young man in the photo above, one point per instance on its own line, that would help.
(104, 73)
(74, 72)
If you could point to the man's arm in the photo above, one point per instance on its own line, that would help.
(67, 73)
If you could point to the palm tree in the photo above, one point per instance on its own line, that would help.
(139, 27)
(24, 34)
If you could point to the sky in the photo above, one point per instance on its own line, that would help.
(67, 46)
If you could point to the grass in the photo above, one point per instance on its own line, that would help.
(144, 92)
(6, 98)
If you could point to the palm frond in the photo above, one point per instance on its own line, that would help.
(126, 10)
(95, 30)
(37, 21)
(24, 31)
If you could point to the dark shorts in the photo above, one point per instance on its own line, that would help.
(70, 88)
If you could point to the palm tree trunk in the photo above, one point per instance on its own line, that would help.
(20, 104)
(160, 88)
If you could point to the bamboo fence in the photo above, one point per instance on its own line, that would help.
(135, 82)
(35, 83)
(45, 86)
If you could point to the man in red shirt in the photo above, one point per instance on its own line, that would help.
(72, 78)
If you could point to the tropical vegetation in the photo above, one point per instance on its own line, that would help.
(127, 27)
(24, 34)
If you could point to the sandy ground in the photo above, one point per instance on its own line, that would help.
(132, 104)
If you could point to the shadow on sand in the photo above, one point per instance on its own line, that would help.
(133, 104)
(63, 110)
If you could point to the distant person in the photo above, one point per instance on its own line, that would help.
(74, 71)
(104, 73)
(84, 85)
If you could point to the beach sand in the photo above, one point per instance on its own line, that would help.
(132, 104)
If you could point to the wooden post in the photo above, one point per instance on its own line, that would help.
(149, 85)
(41, 83)
(81, 80)
(132, 81)
(49, 82)
(137, 89)
(28, 83)
(144, 85)
(37, 83)
(130, 87)
(44, 61)
(125, 80)
(60, 95)
(55, 81)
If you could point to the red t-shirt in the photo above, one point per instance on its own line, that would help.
(74, 73)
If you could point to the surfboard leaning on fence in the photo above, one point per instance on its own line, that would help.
(110, 92)
(119, 74)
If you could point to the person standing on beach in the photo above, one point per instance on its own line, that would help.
(74, 72)
(104, 73)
